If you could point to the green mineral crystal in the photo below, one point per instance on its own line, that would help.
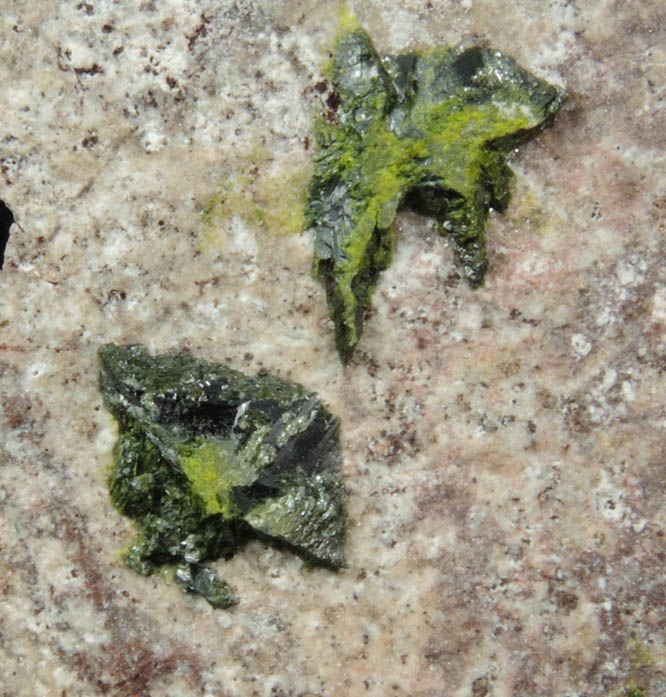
(208, 457)
(429, 130)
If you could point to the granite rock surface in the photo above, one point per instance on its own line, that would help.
(503, 448)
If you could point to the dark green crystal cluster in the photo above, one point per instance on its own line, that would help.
(208, 458)
(429, 130)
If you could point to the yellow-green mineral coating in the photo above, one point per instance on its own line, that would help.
(207, 457)
(429, 130)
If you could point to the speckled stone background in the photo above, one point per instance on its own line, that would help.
(504, 449)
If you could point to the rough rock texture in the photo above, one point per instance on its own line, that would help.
(503, 448)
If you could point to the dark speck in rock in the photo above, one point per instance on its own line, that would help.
(94, 69)
(6, 221)
(333, 101)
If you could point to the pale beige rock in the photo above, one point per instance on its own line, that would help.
(504, 449)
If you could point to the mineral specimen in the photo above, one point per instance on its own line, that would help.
(429, 130)
(208, 457)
